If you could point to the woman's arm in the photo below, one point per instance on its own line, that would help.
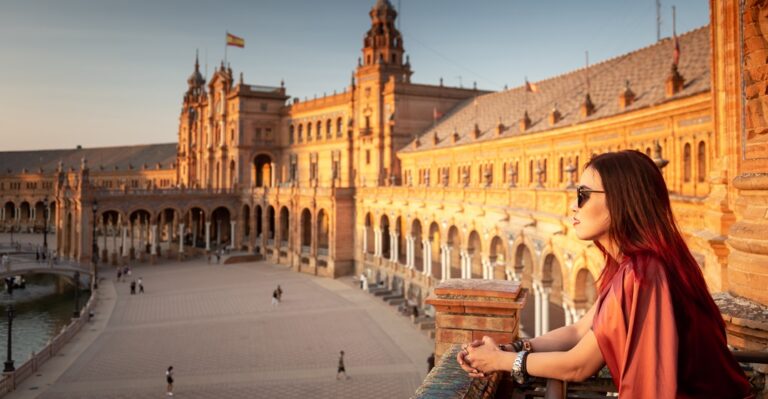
(576, 364)
(564, 338)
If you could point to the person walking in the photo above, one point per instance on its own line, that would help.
(279, 293)
(341, 369)
(119, 274)
(141, 285)
(133, 287)
(169, 381)
(275, 301)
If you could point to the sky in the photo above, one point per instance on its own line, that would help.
(105, 72)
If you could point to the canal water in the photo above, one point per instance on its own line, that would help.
(41, 310)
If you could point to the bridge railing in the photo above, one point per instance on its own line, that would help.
(11, 380)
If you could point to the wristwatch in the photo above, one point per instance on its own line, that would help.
(518, 367)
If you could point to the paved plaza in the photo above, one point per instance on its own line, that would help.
(216, 326)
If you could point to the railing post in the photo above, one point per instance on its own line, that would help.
(468, 309)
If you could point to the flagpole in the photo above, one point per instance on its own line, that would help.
(226, 35)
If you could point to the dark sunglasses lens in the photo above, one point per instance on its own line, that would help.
(581, 197)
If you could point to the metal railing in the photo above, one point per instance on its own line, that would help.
(10, 381)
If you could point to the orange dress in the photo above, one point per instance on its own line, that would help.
(648, 354)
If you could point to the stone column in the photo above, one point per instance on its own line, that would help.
(114, 252)
(232, 237)
(207, 236)
(537, 308)
(181, 240)
(132, 251)
(395, 247)
(409, 252)
(464, 263)
(376, 242)
(142, 243)
(426, 257)
(153, 244)
(365, 241)
(272, 175)
(124, 242)
(567, 311)
(445, 262)
(545, 309)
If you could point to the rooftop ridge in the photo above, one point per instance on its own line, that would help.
(664, 40)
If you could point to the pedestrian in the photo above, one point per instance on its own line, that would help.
(275, 301)
(37, 255)
(169, 380)
(279, 293)
(431, 362)
(654, 324)
(218, 257)
(119, 274)
(141, 285)
(133, 287)
(128, 271)
(341, 368)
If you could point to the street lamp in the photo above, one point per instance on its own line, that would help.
(95, 249)
(76, 313)
(9, 362)
(45, 225)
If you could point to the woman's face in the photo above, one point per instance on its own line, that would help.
(592, 220)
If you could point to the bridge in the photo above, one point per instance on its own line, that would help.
(19, 263)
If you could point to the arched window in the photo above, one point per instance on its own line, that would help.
(701, 159)
(309, 131)
(530, 171)
(319, 130)
(290, 134)
(687, 162)
(301, 133)
(561, 173)
(338, 127)
(544, 170)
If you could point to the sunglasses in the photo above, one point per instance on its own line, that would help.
(583, 193)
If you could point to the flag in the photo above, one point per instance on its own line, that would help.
(233, 40)
(530, 87)
(436, 114)
(676, 52)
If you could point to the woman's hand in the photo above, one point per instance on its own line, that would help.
(484, 358)
(464, 363)
(480, 357)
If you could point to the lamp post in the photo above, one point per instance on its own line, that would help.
(45, 225)
(76, 313)
(95, 249)
(9, 362)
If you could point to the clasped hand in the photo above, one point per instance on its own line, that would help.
(479, 357)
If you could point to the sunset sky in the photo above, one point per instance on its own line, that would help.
(102, 73)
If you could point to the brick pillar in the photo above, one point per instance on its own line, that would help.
(468, 309)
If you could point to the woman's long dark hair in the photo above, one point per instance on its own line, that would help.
(642, 226)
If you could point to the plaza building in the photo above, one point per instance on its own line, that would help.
(412, 184)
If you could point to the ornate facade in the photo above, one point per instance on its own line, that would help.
(370, 180)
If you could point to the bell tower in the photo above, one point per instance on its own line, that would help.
(190, 127)
(382, 66)
(383, 44)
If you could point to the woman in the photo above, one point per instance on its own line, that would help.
(654, 323)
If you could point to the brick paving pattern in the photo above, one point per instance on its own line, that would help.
(216, 326)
